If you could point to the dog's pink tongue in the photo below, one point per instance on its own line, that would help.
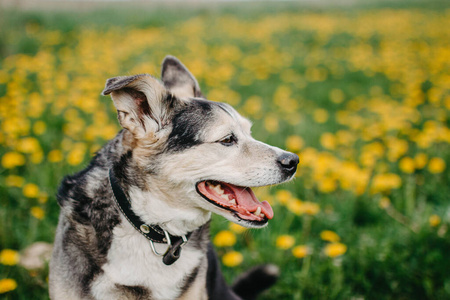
(247, 199)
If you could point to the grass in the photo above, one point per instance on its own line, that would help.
(361, 94)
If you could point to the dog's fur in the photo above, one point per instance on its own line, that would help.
(173, 139)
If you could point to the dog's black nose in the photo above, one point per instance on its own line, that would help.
(288, 162)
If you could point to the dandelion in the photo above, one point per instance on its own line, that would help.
(295, 206)
(329, 236)
(232, 259)
(420, 160)
(12, 159)
(436, 165)
(294, 143)
(28, 145)
(336, 96)
(7, 285)
(237, 228)
(283, 196)
(271, 123)
(76, 155)
(37, 212)
(55, 156)
(335, 249)
(327, 185)
(328, 141)
(14, 181)
(434, 220)
(285, 242)
(39, 127)
(224, 238)
(253, 105)
(30, 190)
(301, 251)
(309, 208)
(9, 257)
(385, 182)
(320, 115)
(384, 202)
(406, 165)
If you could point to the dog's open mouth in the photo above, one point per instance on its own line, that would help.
(240, 200)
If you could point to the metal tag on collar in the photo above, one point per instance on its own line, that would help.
(174, 251)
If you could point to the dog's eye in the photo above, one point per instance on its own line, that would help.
(229, 140)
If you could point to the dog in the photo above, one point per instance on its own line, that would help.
(135, 223)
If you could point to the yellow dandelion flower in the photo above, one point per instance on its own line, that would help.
(320, 115)
(9, 257)
(385, 182)
(43, 197)
(253, 105)
(420, 160)
(283, 196)
(28, 145)
(294, 143)
(271, 123)
(237, 228)
(310, 208)
(224, 238)
(384, 203)
(285, 242)
(30, 190)
(436, 165)
(39, 127)
(55, 156)
(406, 165)
(335, 249)
(336, 96)
(301, 251)
(76, 155)
(328, 141)
(7, 285)
(232, 259)
(14, 181)
(327, 185)
(295, 206)
(12, 159)
(37, 212)
(434, 220)
(329, 236)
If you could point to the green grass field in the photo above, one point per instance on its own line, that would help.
(361, 94)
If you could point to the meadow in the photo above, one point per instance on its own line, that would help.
(362, 95)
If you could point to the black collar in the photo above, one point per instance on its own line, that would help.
(153, 233)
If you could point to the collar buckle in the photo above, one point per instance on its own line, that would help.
(167, 240)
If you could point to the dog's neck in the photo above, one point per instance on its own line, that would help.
(153, 208)
(153, 199)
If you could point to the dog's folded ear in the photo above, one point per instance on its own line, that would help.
(178, 80)
(143, 104)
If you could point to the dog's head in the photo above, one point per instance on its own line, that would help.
(199, 154)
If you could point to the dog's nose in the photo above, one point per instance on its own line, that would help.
(288, 162)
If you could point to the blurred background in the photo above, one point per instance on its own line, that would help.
(359, 89)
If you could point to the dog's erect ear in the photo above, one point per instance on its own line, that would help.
(178, 80)
(142, 102)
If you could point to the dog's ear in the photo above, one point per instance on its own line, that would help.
(178, 80)
(142, 102)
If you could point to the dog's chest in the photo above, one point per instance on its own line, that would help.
(132, 263)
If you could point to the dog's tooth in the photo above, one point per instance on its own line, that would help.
(258, 211)
(262, 215)
(232, 201)
(218, 189)
(224, 196)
